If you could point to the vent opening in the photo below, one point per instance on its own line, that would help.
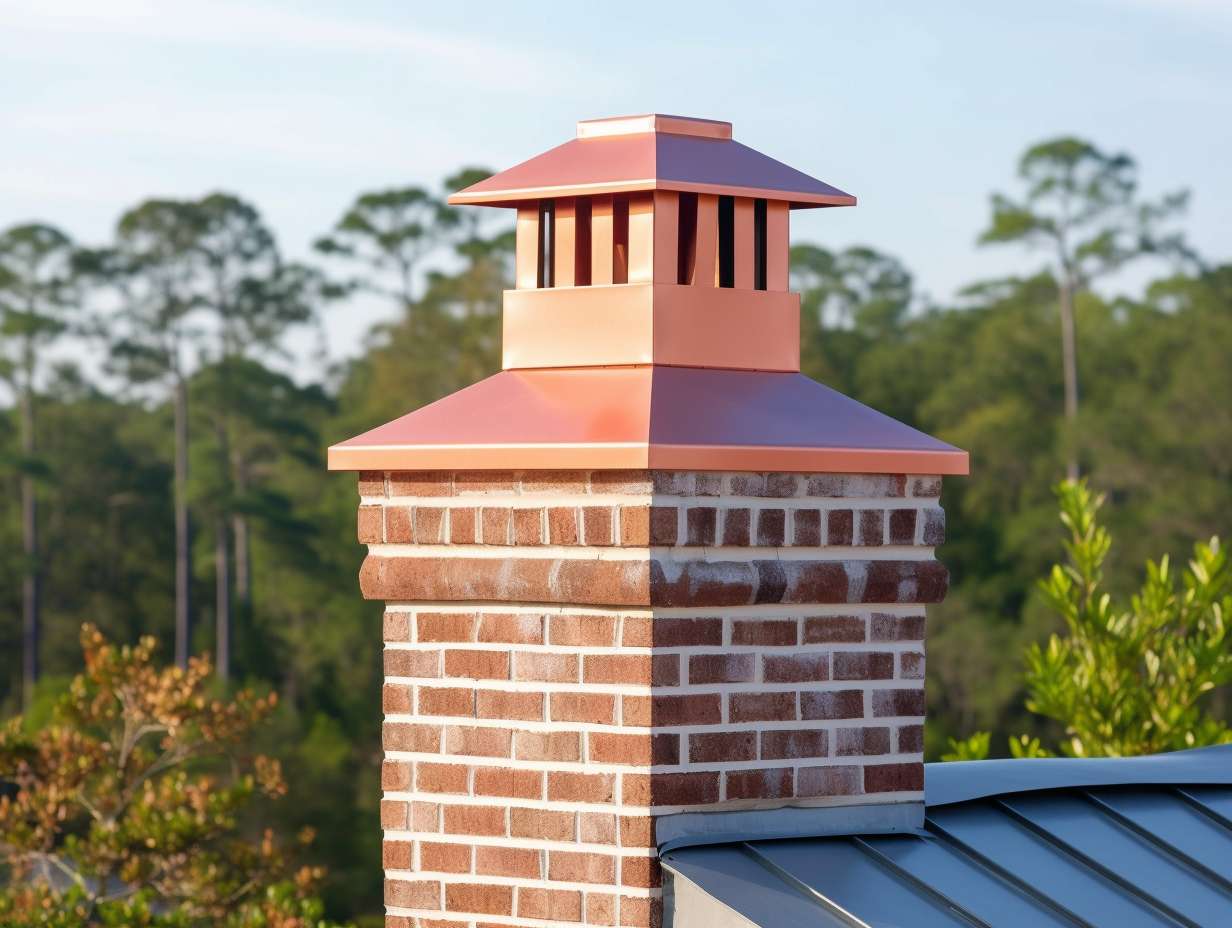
(759, 244)
(686, 242)
(620, 240)
(546, 271)
(727, 242)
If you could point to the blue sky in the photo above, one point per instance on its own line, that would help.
(920, 109)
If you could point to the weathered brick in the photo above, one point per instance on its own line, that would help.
(700, 525)
(718, 747)
(444, 626)
(510, 782)
(421, 483)
(746, 484)
(766, 632)
(557, 905)
(405, 736)
(546, 667)
(582, 631)
(856, 485)
(468, 482)
(843, 780)
(761, 707)
(496, 704)
(581, 867)
(596, 828)
(634, 526)
(863, 665)
(371, 483)
(395, 775)
(783, 744)
(806, 528)
(524, 863)
(564, 786)
(622, 482)
(543, 824)
(663, 525)
(598, 525)
(476, 741)
(425, 817)
(563, 525)
(783, 485)
(722, 668)
(771, 527)
(831, 704)
(886, 627)
(510, 628)
(480, 898)
(637, 911)
(839, 529)
(795, 668)
(898, 702)
(911, 665)
(399, 525)
(396, 697)
(486, 821)
(887, 778)
(823, 629)
(446, 700)
(934, 527)
(668, 711)
(477, 665)
(759, 784)
(559, 482)
(902, 526)
(397, 855)
(369, 525)
(495, 524)
(904, 582)
(595, 708)
(463, 527)
(413, 894)
(910, 739)
(872, 527)
(429, 525)
(527, 527)
(402, 663)
(673, 482)
(442, 778)
(548, 745)
(925, 486)
(396, 626)
(736, 526)
(862, 740)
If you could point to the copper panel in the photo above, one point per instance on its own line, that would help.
(742, 237)
(602, 240)
(641, 239)
(706, 250)
(726, 328)
(666, 236)
(565, 243)
(778, 246)
(526, 275)
(653, 122)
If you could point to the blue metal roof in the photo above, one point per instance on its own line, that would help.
(1120, 842)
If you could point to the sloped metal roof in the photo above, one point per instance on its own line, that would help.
(1124, 843)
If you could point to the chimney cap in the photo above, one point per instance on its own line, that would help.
(653, 151)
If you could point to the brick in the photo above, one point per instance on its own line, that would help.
(854, 742)
(771, 527)
(444, 627)
(902, 526)
(477, 665)
(443, 700)
(824, 629)
(639, 911)
(608, 748)
(841, 704)
(783, 486)
(527, 527)
(782, 744)
(554, 668)
(841, 780)
(925, 486)
(393, 814)
(598, 525)
(634, 526)
(442, 778)
(759, 784)
(668, 711)
(396, 697)
(421, 483)
(508, 861)
(467, 482)
(839, 527)
(397, 855)
(542, 824)
(581, 867)
(643, 872)
(596, 828)
(898, 702)
(766, 632)
(495, 704)
(889, 778)
(369, 525)
(911, 665)
(395, 775)
(761, 707)
(371, 483)
(425, 817)
(904, 582)
(480, 898)
(858, 485)
(485, 821)
(559, 482)
(645, 669)
(795, 668)
(548, 745)
(722, 668)
(737, 526)
(934, 527)
(601, 908)
(495, 522)
(811, 582)
(910, 739)
(663, 527)
(403, 736)
(806, 528)
(622, 482)
(396, 626)
(463, 527)
(669, 789)
(508, 781)
(595, 708)
(563, 525)
(863, 665)
(429, 525)
(637, 831)
(872, 527)
(564, 786)
(746, 485)
(720, 747)
(582, 631)
(659, 632)
(700, 524)
(399, 525)
(413, 894)
(707, 483)
(673, 482)
(510, 628)
(473, 741)
(886, 627)
(558, 905)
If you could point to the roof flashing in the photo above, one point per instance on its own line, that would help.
(609, 126)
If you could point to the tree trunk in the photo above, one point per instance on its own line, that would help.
(183, 615)
(222, 599)
(243, 555)
(30, 587)
(1069, 362)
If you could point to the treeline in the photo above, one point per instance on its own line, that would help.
(170, 480)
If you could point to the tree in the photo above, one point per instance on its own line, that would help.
(1081, 205)
(132, 806)
(36, 300)
(1127, 681)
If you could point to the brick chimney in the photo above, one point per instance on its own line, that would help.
(648, 585)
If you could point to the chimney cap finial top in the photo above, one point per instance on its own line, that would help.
(653, 122)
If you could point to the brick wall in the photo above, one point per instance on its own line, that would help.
(569, 656)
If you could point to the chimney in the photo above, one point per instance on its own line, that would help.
(648, 585)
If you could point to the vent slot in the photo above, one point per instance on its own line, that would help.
(727, 242)
(546, 271)
(620, 240)
(686, 240)
(759, 244)
(581, 243)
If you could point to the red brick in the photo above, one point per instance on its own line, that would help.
(508, 861)
(866, 485)
(635, 526)
(840, 704)
(925, 486)
(395, 775)
(706, 483)
(393, 814)
(582, 631)
(558, 905)
(442, 778)
(761, 707)
(669, 789)
(719, 747)
(488, 821)
(841, 780)
(673, 482)
(483, 899)
(563, 525)
(596, 708)
(855, 742)
(396, 626)
(771, 527)
(559, 482)
(661, 632)
(399, 525)
(441, 700)
(910, 739)
(581, 867)
(898, 702)
(624, 482)
(371, 483)
(478, 665)
(693, 709)
(606, 748)
(528, 527)
(810, 582)
(548, 745)
(637, 831)
(902, 526)
(722, 668)
(659, 669)
(823, 629)
(425, 817)
(510, 628)
(888, 778)
(863, 665)
(806, 528)
(397, 855)
(663, 525)
(736, 527)
(421, 483)
(495, 522)
(700, 523)
(934, 527)
(581, 787)
(473, 741)
(795, 668)
(601, 908)
(766, 632)
(484, 481)
(508, 781)
(905, 582)
(368, 526)
(554, 668)
(839, 530)
(597, 828)
(785, 744)
(429, 525)
(644, 872)
(496, 704)
(759, 784)
(639, 912)
(463, 526)
(416, 894)
(597, 525)
(542, 824)
(402, 736)
(445, 626)
(395, 697)
(887, 627)
(783, 486)
(911, 665)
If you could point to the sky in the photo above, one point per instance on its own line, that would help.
(920, 109)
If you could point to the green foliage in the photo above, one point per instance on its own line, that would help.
(974, 747)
